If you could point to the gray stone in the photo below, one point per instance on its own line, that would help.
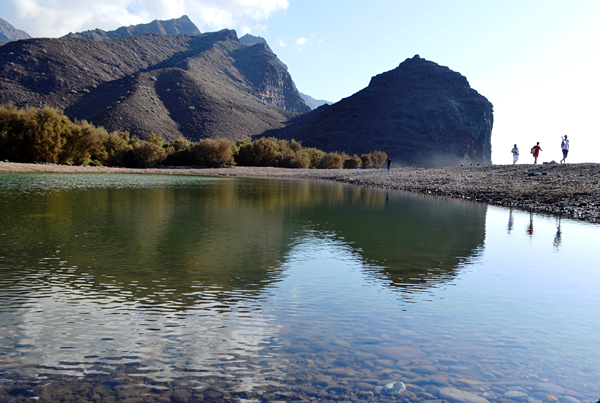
(511, 394)
(548, 387)
(461, 396)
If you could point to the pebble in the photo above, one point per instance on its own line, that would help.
(461, 396)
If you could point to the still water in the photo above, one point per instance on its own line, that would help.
(190, 288)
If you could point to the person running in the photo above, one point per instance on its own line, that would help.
(535, 150)
(565, 149)
(515, 153)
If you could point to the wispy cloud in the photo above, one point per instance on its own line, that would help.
(55, 18)
(301, 41)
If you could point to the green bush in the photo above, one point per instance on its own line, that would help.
(367, 160)
(47, 135)
(148, 153)
(374, 159)
(352, 162)
(262, 152)
(214, 152)
(32, 135)
(331, 161)
(379, 158)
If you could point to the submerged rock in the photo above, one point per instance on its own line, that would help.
(461, 396)
(393, 388)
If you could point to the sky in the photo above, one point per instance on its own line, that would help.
(536, 61)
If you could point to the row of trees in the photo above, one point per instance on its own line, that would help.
(47, 135)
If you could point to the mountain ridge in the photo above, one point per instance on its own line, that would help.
(420, 113)
(202, 86)
(9, 33)
(173, 27)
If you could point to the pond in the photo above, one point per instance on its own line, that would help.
(148, 288)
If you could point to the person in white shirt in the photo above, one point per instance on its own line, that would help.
(515, 153)
(565, 149)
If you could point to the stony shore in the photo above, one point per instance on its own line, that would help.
(571, 190)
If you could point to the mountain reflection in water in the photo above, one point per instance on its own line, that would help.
(228, 234)
(286, 290)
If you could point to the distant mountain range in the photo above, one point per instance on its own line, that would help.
(202, 86)
(166, 77)
(176, 26)
(9, 33)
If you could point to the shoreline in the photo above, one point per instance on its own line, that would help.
(571, 190)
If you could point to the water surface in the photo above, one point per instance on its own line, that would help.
(275, 289)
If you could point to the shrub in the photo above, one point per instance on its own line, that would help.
(117, 150)
(32, 135)
(82, 141)
(214, 152)
(352, 162)
(147, 153)
(367, 160)
(379, 158)
(314, 156)
(331, 161)
(262, 152)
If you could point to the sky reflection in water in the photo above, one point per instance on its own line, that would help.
(245, 279)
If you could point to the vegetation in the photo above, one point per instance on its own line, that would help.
(47, 135)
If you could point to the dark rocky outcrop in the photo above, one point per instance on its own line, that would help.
(202, 86)
(9, 33)
(421, 114)
(173, 27)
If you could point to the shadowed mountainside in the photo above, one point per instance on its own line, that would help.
(202, 86)
(420, 114)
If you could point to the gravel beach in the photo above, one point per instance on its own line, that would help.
(570, 190)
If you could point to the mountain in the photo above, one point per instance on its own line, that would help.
(420, 113)
(201, 86)
(176, 26)
(313, 103)
(9, 33)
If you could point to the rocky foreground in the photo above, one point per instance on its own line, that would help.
(571, 190)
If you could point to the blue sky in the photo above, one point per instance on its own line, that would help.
(536, 61)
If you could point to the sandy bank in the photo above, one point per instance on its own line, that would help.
(572, 190)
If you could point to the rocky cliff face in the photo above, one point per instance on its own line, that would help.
(421, 114)
(202, 86)
(173, 27)
(9, 33)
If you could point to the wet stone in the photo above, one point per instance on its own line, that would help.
(426, 369)
(461, 396)
(516, 395)
(363, 386)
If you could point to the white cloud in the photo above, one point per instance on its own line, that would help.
(301, 41)
(54, 18)
(282, 43)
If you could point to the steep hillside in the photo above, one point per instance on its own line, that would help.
(9, 33)
(420, 113)
(202, 86)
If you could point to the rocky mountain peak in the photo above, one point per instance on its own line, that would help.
(176, 26)
(420, 113)
(9, 33)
